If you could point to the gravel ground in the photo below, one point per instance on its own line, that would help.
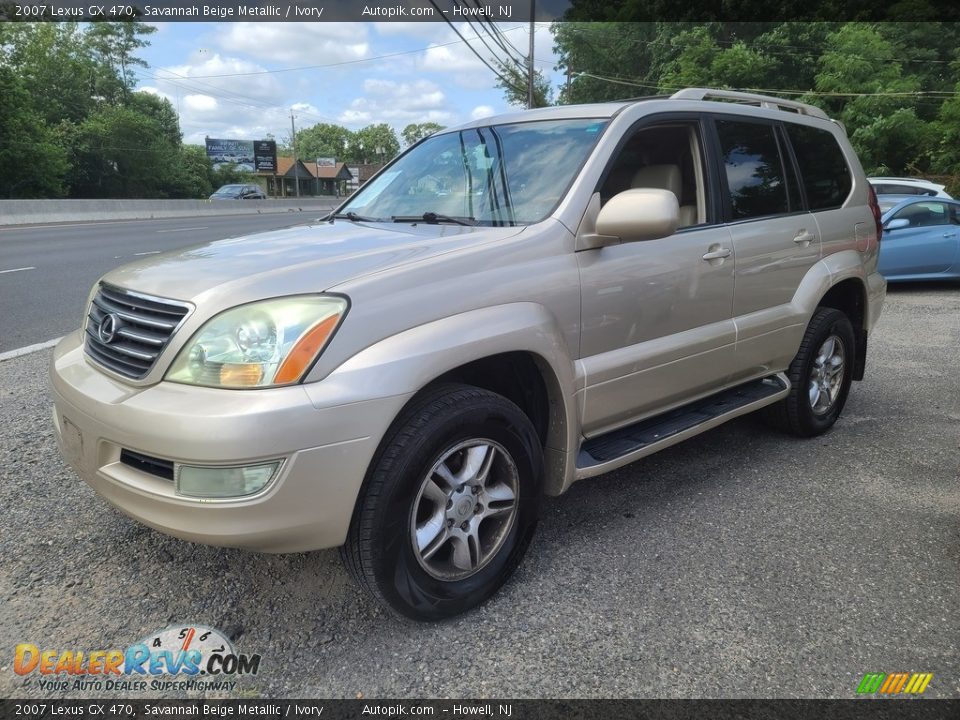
(740, 564)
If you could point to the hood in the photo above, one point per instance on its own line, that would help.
(299, 259)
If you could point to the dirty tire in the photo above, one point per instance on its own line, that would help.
(796, 414)
(382, 548)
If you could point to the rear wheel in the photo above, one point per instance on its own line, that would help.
(820, 376)
(449, 505)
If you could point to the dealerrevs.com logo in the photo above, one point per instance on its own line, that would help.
(188, 657)
(894, 683)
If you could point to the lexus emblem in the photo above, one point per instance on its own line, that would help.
(108, 328)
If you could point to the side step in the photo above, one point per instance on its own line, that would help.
(620, 447)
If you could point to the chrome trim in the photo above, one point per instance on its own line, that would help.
(125, 360)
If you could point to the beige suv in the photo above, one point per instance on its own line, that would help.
(507, 308)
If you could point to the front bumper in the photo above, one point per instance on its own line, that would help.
(326, 440)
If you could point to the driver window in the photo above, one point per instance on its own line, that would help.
(924, 214)
(667, 157)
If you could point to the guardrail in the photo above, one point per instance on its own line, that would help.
(28, 212)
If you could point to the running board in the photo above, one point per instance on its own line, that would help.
(620, 447)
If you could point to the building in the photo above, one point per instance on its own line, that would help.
(337, 180)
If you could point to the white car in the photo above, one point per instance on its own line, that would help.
(907, 186)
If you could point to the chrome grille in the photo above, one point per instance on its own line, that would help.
(139, 329)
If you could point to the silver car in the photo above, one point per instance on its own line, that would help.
(509, 307)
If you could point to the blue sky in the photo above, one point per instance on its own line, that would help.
(435, 78)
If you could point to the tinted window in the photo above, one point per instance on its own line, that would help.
(902, 190)
(754, 169)
(826, 176)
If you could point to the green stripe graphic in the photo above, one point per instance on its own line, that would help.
(871, 683)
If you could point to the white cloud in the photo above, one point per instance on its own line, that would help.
(297, 43)
(398, 104)
(482, 111)
(249, 107)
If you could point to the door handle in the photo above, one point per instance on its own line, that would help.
(718, 254)
(949, 234)
(804, 238)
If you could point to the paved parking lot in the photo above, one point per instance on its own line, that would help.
(742, 563)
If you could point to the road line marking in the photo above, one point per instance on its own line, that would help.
(10, 354)
(148, 252)
(159, 232)
(17, 269)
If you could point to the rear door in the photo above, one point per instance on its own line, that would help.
(775, 239)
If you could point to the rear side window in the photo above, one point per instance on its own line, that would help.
(825, 173)
(754, 169)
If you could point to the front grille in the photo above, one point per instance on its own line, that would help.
(147, 464)
(141, 327)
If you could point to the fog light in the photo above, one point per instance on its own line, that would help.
(224, 482)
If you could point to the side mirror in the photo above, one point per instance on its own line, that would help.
(639, 214)
(896, 224)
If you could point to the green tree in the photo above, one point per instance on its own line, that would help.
(32, 163)
(514, 81)
(114, 45)
(121, 152)
(379, 142)
(322, 140)
(415, 132)
(193, 174)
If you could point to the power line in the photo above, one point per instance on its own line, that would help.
(474, 51)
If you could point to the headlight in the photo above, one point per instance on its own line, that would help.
(263, 344)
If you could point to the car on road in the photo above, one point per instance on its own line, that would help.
(239, 192)
(921, 239)
(509, 307)
(908, 186)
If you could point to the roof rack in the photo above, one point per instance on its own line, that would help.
(764, 101)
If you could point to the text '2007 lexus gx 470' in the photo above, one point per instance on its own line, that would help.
(508, 307)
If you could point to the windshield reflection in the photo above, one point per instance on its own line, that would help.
(495, 175)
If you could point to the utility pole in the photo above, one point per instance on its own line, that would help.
(293, 140)
(530, 58)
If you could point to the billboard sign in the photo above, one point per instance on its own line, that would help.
(326, 162)
(265, 155)
(247, 155)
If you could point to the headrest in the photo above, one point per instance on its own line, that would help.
(664, 177)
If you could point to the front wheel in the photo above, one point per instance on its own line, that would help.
(820, 376)
(449, 504)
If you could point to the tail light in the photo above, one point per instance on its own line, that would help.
(875, 209)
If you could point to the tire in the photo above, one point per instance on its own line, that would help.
(809, 411)
(435, 531)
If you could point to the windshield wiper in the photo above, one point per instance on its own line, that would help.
(354, 217)
(433, 218)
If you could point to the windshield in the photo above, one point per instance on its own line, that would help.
(496, 175)
(229, 190)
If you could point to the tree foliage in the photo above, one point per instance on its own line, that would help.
(415, 132)
(893, 84)
(514, 82)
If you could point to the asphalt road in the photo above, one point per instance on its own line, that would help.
(742, 563)
(47, 300)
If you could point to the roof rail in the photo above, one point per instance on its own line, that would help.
(764, 101)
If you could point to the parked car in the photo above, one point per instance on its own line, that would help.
(921, 240)
(888, 201)
(239, 192)
(908, 186)
(574, 288)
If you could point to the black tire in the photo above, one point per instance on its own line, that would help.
(795, 414)
(379, 551)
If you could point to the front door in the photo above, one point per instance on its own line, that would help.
(657, 328)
